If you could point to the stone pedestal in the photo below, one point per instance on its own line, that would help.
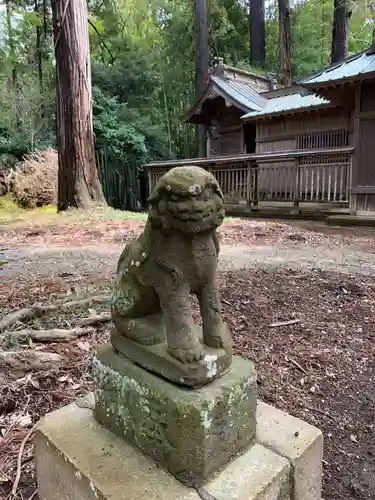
(216, 441)
(79, 459)
(190, 432)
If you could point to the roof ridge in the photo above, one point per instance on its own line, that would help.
(334, 66)
(248, 73)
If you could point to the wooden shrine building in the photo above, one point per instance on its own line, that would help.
(305, 144)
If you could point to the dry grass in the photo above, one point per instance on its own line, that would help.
(35, 179)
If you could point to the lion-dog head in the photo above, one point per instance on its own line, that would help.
(187, 199)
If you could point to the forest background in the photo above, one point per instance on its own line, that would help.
(143, 71)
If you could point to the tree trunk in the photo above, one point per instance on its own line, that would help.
(78, 180)
(45, 21)
(257, 34)
(285, 29)
(202, 61)
(340, 30)
(13, 84)
(8, 7)
(39, 59)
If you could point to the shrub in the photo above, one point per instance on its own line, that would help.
(35, 179)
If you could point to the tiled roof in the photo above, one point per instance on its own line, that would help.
(286, 103)
(241, 92)
(355, 66)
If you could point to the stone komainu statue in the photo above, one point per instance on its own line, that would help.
(175, 256)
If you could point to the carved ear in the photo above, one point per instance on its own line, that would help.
(155, 196)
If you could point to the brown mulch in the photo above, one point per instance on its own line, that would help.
(88, 231)
(321, 369)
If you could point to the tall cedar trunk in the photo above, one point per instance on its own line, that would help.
(38, 49)
(285, 29)
(45, 21)
(257, 34)
(14, 82)
(202, 61)
(340, 30)
(8, 7)
(78, 180)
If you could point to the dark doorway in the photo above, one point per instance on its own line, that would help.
(249, 131)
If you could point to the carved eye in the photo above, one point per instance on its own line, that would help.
(204, 196)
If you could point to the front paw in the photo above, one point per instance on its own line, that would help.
(187, 354)
(218, 337)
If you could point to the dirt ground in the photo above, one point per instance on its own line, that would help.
(321, 368)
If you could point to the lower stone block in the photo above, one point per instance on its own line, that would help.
(192, 433)
(297, 441)
(258, 474)
(78, 459)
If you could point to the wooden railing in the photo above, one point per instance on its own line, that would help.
(296, 176)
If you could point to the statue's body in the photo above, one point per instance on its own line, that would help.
(175, 256)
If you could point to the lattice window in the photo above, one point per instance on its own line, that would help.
(337, 159)
(323, 140)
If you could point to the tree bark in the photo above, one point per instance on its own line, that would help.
(78, 180)
(45, 21)
(8, 7)
(340, 30)
(202, 61)
(13, 84)
(39, 58)
(257, 34)
(285, 31)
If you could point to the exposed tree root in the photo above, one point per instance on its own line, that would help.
(36, 311)
(18, 363)
(53, 335)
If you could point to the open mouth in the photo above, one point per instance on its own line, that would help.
(195, 216)
(196, 223)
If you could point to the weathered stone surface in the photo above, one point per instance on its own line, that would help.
(174, 257)
(299, 442)
(192, 433)
(78, 459)
(155, 358)
(258, 474)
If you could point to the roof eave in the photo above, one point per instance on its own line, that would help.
(339, 83)
(191, 113)
(289, 112)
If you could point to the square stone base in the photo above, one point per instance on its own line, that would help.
(192, 433)
(78, 459)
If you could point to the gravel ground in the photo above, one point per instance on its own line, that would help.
(52, 261)
(321, 369)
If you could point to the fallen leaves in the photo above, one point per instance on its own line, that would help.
(82, 231)
(319, 368)
(38, 310)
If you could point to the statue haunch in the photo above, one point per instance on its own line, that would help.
(175, 256)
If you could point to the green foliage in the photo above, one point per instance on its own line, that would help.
(143, 68)
(122, 139)
(26, 98)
